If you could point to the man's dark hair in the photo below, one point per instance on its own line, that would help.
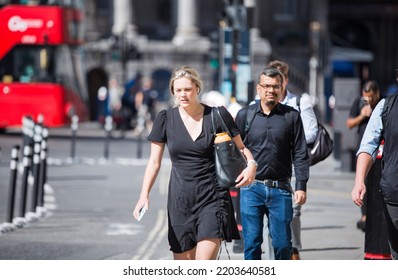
(271, 72)
(370, 86)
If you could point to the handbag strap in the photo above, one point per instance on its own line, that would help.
(223, 124)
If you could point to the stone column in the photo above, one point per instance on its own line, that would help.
(186, 24)
(261, 48)
(123, 18)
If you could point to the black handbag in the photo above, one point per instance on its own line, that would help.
(322, 147)
(229, 160)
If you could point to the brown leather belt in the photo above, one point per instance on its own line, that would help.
(278, 184)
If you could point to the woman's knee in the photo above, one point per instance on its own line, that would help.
(207, 249)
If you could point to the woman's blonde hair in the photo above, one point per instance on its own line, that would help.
(188, 72)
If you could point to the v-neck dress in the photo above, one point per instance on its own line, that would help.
(197, 208)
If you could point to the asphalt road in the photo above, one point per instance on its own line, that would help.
(89, 202)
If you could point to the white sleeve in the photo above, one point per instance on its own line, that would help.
(309, 119)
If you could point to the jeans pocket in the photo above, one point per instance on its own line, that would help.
(248, 187)
(284, 192)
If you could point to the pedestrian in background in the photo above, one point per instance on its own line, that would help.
(145, 103)
(277, 140)
(115, 101)
(381, 128)
(310, 124)
(200, 213)
(129, 108)
(359, 115)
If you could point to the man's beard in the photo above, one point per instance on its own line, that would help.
(270, 103)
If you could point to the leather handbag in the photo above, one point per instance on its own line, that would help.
(322, 147)
(229, 160)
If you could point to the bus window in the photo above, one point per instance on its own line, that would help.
(34, 64)
(25, 65)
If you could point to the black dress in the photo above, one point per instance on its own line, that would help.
(197, 207)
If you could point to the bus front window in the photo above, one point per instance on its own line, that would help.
(33, 64)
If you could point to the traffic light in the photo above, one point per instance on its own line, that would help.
(214, 52)
(235, 14)
(123, 49)
(132, 53)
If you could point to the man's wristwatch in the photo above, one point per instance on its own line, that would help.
(253, 162)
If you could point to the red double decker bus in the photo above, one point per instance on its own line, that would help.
(41, 62)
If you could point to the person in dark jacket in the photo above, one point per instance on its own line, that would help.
(380, 128)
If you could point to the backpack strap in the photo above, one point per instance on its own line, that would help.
(298, 102)
(250, 114)
(389, 101)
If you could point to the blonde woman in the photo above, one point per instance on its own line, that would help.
(200, 213)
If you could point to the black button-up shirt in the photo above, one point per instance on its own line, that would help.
(277, 141)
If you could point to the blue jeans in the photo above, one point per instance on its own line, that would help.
(257, 200)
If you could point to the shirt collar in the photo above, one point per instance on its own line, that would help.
(288, 97)
(277, 108)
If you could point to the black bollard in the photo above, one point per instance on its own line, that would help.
(36, 167)
(13, 182)
(26, 161)
(141, 125)
(27, 130)
(74, 127)
(139, 145)
(108, 129)
(43, 168)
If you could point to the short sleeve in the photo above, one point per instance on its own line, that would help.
(229, 121)
(355, 110)
(158, 133)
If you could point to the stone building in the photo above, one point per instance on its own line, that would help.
(313, 36)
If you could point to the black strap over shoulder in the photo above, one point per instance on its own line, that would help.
(389, 100)
(298, 98)
(250, 114)
(222, 122)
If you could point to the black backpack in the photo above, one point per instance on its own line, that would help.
(389, 100)
(317, 151)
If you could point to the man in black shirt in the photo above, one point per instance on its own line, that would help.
(276, 139)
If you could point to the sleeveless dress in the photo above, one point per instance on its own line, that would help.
(197, 208)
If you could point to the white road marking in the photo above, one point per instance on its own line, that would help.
(124, 229)
(155, 236)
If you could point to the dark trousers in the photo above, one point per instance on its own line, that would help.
(391, 213)
(376, 232)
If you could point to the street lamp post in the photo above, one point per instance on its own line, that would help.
(314, 60)
(234, 24)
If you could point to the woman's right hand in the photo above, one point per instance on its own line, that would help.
(142, 202)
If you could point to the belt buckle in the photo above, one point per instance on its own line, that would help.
(270, 183)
